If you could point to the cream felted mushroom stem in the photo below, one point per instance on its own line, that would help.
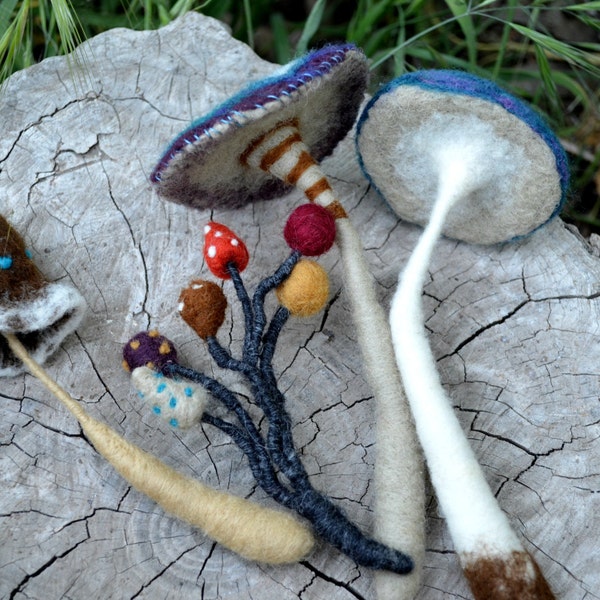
(476, 164)
(398, 479)
(255, 532)
(256, 146)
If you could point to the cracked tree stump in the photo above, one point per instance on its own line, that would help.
(515, 330)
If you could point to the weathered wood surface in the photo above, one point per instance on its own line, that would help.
(515, 329)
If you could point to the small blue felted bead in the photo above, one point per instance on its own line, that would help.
(5, 262)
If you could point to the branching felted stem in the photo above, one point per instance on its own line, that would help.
(277, 131)
(328, 520)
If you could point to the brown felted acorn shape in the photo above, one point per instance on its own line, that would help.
(40, 313)
(202, 306)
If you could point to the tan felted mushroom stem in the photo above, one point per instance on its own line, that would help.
(252, 531)
(399, 480)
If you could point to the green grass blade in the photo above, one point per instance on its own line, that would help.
(11, 41)
(365, 19)
(67, 25)
(311, 26)
(586, 6)
(512, 5)
(546, 76)
(7, 8)
(281, 40)
(561, 49)
(400, 56)
(460, 9)
(248, 19)
(399, 47)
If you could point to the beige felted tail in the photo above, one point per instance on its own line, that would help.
(252, 531)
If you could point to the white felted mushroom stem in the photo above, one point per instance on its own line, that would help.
(399, 479)
(480, 531)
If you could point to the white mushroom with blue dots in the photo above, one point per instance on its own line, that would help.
(180, 403)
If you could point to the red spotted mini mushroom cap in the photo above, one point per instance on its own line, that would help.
(222, 247)
(321, 91)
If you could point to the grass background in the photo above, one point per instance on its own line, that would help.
(547, 52)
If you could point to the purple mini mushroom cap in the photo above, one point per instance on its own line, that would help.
(148, 349)
(321, 91)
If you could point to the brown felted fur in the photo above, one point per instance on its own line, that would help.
(202, 306)
(23, 277)
(517, 577)
(41, 313)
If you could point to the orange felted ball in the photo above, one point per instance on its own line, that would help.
(306, 290)
(202, 306)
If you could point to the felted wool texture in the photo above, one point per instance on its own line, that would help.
(41, 313)
(255, 532)
(306, 290)
(282, 153)
(202, 306)
(310, 230)
(531, 182)
(475, 520)
(399, 470)
(19, 276)
(322, 90)
(149, 349)
(222, 247)
(477, 524)
(507, 577)
(180, 403)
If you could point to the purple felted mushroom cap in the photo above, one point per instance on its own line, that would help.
(319, 93)
(522, 169)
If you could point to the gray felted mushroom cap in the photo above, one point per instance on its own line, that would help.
(517, 183)
(41, 314)
(320, 93)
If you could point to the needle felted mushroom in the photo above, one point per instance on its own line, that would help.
(458, 153)
(255, 532)
(256, 146)
(39, 312)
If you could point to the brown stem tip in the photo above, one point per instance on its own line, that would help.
(513, 577)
